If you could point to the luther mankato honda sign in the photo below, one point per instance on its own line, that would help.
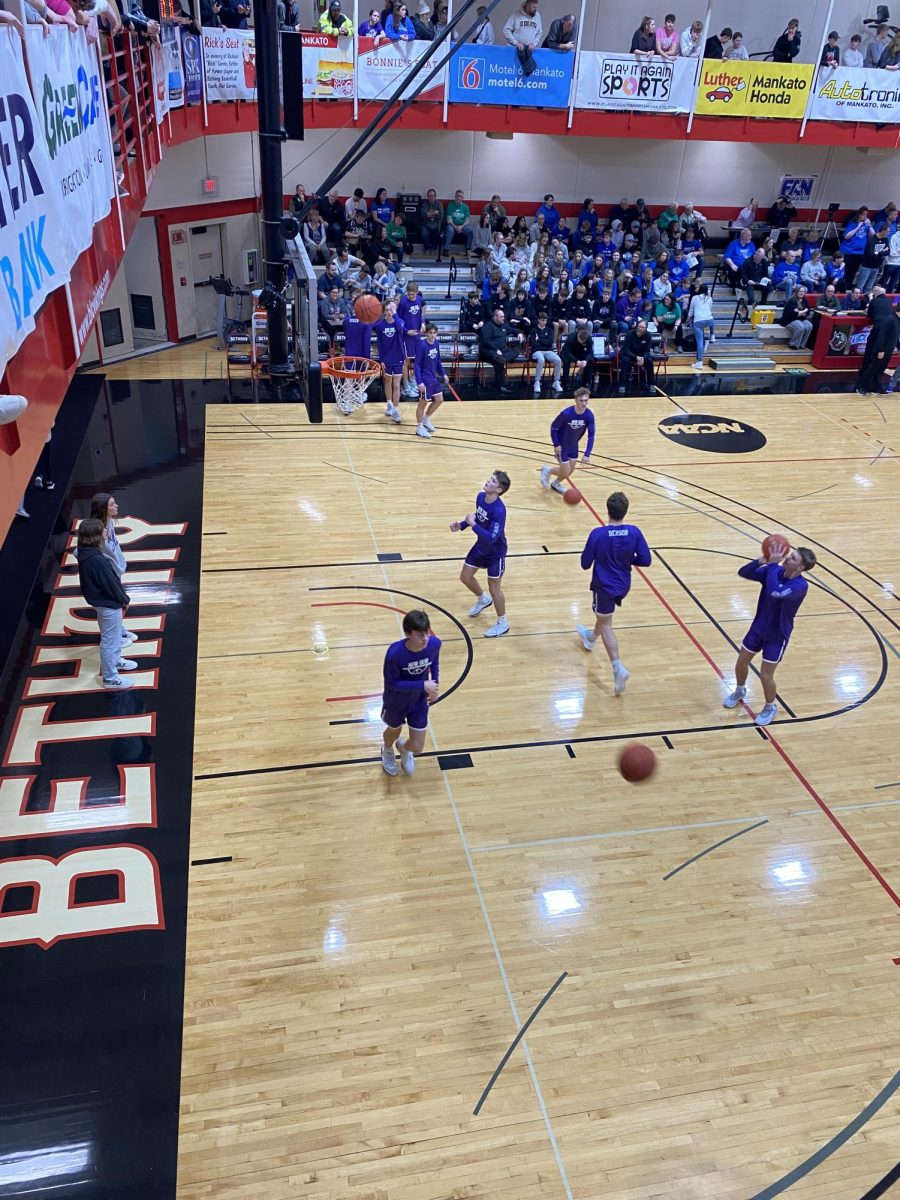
(616, 81)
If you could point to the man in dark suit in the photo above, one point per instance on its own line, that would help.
(880, 346)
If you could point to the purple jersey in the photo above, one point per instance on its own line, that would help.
(568, 429)
(610, 552)
(779, 599)
(490, 526)
(407, 670)
(389, 338)
(411, 312)
(428, 366)
(357, 337)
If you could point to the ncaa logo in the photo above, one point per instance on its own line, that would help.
(471, 73)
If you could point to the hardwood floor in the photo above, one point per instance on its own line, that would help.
(359, 966)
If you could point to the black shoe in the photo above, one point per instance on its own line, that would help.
(860, 392)
(505, 391)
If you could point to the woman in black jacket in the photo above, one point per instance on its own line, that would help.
(103, 591)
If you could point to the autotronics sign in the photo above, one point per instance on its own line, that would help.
(721, 435)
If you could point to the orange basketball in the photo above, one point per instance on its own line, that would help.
(367, 308)
(637, 762)
(775, 541)
(572, 495)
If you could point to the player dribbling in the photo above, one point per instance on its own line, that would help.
(566, 432)
(488, 523)
(410, 685)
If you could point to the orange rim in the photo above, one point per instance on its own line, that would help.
(335, 366)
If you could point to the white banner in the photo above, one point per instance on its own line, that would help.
(327, 66)
(229, 59)
(856, 94)
(33, 252)
(616, 81)
(174, 68)
(380, 71)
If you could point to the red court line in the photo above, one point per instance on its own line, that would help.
(779, 749)
(365, 696)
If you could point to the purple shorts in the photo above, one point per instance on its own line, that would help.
(604, 602)
(495, 563)
(772, 648)
(410, 341)
(405, 708)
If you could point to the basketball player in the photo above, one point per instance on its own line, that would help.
(411, 311)
(410, 685)
(357, 333)
(430, 379)
(782, 591)
(488, 523)
(609, 554)
(389, 339)
(566, 432)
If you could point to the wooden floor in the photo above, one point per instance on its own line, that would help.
(359, 966)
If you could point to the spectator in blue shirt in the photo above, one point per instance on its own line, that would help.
(550, 213)
(736, 254)
(854, 236)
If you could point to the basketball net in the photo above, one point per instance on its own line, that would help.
(350, 379)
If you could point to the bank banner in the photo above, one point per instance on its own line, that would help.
(753, 89)
(380, 70)
(229, 60)
(855, 94)
(493, 75)
(327, 67)
(616, 81)
(193, 67)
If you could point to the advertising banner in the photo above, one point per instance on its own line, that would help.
(34, 257)
(493, 75)
(171, 53)
(753, 89)
(160, 81)
(797, 188)
(229, 59)
(855, 94)
(379, 71)
(616, 81)
(193, 67)
(327, 67)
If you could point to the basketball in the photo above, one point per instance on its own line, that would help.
(572, 495)
(367, 308)
(636, 763)
(773, 542)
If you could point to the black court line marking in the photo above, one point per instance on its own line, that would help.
(671, 399)
(373, 562)
(762, 733)
(347, 471)
(878, 455)
(205, 862)
(351, 721)
(667, 742)
(546, 551)
(880, 411)
(878, 786)
(818, 492)
(454, 762)
(709, 849)
(216, 533)
(815, 1160)
(391, 557)
(728, 638)
(253, 425)
(506, 1057)
(883, 1184)
(570, 751)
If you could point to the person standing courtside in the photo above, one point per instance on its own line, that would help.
(881, 343)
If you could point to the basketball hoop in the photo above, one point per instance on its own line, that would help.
(350, 378)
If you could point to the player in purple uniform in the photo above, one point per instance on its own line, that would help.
(609, 554)
(389, 339)
(357, 333)
(430, 379)
(781, 593)
(488, 523)
(566, 432)
(410, 685)
(411, 311)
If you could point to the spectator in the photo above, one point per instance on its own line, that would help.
(395, 232)
(643, 42)
(494, 340)
(589, 214)
(495, 211)
(811, 241)
(831, 52)
(471, 315)
(641, 213)
(854, 301)
(828, 302)
(300, 200)
(484, 32)
(700, 318)
(746, 218)
(330, 278)
(332, 311)
(335, 22)
(635, 355)
(873, 259)
(691, 216)
(355, 206)
(667, 217)
(813, 272)
(795, 317)
(668, 43)
(891, 278)
(887, 216)
(619, 212)
(835, 270)
(563, 33)
(398, 27)
(332, 213)
(786, 275)
(8, 18)
(792, 241)
(780, 214)
(692, 245)
(382, 210)
(315, 238)
(736, 254)
(715, 45)
(738, 50)
(787, 47)
(690, 40)
(288, 15)
(233, 14)
(853, 242)
(563, 233)
(458, 221)
(755, 278)
(629, 308)
(524, 30)
(210, 14)
(543, 350)
(431, 221)
(854, 57)
(667, 315)
(421, 22)
(538, 229)
(578, 352)
(549, 212)
(876, 47)
(440, 22)
(890, 59)
(661, 286)
(373, 28)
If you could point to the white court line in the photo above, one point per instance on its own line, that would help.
(804, 812)
(614, 833)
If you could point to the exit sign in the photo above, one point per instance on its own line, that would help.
(210, 185)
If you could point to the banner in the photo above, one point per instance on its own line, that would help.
(159, 81)
(171, 54)
(327, 66)
(33, 253)
(855, 94)
(753, 89)
(379, 71)
(798, 188)
(616, 81)
(193, 67)
(229, 59)
(493, 75)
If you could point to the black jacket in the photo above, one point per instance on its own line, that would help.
(636, 347)
(556, 37)
(541, 339)
(99, 580)
(540, 304)
(753, 270)
(576, 351)
(795, 310)
(494, 338)
(786, 49)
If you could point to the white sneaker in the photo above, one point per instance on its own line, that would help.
(557, 387)
(485, 600)
(118, 684)
(499, 629)
(421, 431)
(697, 366)
(620, 678)
(389, 762)
(126, 664)
(428, 425)
(545, 477)
(556, 486)
(735, 698)
(712, 339)
(587, 637)
(128, 636)
(407, 758)
(394, 414)
(537, 389)
(767, 715)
